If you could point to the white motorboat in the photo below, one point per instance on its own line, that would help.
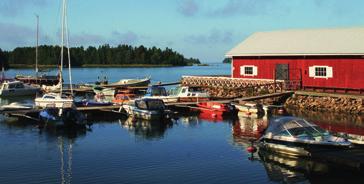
(17, 88)
(129, 83)
(159, 92)
(297, 137)
(249, 109)
(188, 94)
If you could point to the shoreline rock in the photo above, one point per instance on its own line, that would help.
(326, 104)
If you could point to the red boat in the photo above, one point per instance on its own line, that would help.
(214, 106)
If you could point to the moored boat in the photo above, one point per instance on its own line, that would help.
(159, 92)
(17, 88)
(128, 83)
(295, 136)
(148, 109)
(54, 100)
(123, 98)
(189, 94)
(249, 109)
(219, 109)
(98, 90)
(68, 118)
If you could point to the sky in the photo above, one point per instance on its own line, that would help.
(203, 29)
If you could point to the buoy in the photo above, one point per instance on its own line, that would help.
(251, 149)
(281, 111)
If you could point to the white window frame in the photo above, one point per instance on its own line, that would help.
(255, 70)
(312, 72)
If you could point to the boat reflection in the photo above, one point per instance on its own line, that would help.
(144, 129)
(250, 127)
(286, 169)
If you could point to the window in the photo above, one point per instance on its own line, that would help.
(320, 72)
(248, 70)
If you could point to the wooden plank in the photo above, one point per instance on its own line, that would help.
(111, 107)
(236, 99)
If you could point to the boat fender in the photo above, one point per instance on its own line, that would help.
(251, 149)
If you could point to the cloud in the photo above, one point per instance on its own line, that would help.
(128, 37)
(13, 35)
(246, 7)
(188, 8)
(86, 39)
(213, 37)
(15, 7)
(115, 38)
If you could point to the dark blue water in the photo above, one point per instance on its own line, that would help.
(193, 149)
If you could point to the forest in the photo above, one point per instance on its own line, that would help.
(105, 55)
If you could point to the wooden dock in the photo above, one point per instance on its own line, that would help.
(235, 99)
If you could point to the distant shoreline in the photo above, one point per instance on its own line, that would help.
(20, 66)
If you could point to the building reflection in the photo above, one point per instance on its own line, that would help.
(144, 129)
(349, 126)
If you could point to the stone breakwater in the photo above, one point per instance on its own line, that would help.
(326, 104)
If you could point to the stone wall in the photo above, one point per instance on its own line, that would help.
(326, 104)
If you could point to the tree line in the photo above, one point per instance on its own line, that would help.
(100, 56)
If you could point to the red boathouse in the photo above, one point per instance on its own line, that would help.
(328, 59)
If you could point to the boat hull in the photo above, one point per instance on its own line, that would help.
(129, 83)
(43, 80)
(166, 99)
(297, 148)
(54, 103)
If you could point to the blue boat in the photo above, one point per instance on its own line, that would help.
(62, 117)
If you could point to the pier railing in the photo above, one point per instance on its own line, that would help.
(227, 87)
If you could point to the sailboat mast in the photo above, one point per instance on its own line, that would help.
(36, 48)
(62, 45)
(68, 53)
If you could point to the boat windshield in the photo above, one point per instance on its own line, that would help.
(296, 128)
(150, 104)
(155, 105)
(175, 91)
(157, 91)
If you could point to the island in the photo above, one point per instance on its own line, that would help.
(102, 56)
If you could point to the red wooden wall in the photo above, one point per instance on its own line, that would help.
(347, 72)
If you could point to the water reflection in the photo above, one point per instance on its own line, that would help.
(349, 126)
(144, 129)
(289, 169)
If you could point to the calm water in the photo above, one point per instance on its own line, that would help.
(193, 149)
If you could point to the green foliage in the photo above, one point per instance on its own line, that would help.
(103, 55)
(227, 60)
(3, 59)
